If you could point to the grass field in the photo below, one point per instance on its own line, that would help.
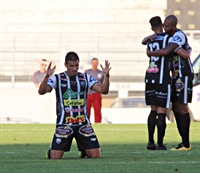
(23, 148)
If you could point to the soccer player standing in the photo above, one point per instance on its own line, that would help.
(158, 85)
(182, 76)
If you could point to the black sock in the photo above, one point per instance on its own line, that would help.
(161, 125)
(185, 128)
(49, 154)
(84, 154)
(151, 123)
(177, 117)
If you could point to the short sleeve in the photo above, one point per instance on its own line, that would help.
(178, 38)
(91, 81)
(52, 82)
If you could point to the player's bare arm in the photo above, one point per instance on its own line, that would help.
(184, 53)
(164, 51)
(104, 88)
(148, 38)
(170, 47)
(44, 88)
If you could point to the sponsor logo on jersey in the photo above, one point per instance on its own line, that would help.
(78, 119)
(175, 58)
(79, 102)
(68, 109)
(64, 79)
(81, 79)
(152, 68)
(71, 94)
(177, 38)
(63, 131)
(175, 73)
(91, 79)
(86, 130)
(50, 81)
(63, 85)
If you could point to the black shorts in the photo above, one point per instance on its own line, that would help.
(158, 94)
(84, 135)
(182, 90)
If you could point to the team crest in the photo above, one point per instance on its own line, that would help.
(179, 85)
(82, 83)
(58, 140)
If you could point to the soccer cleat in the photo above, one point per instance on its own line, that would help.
(82, 154)
(151, 146)
(163, 147)
(181, 147)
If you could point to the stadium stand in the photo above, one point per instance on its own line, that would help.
(110, 30)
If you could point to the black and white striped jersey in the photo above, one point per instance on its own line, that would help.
(180, 66)
(71, 96)
(159, 66)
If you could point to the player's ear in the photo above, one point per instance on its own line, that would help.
(65, 65)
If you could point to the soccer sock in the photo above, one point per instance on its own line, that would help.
(49, 154)
(83, 153)
(161, 125)
(185, 128)
(177, 117)
(151, 123)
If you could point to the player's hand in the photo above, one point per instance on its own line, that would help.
(50, 70)
(148, 52)
(107, 68)
(151, 37)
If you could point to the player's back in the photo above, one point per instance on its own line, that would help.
(159, 66)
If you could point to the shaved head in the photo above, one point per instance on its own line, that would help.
(172, 20)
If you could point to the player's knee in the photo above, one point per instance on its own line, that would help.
(184, 109)
(176, 107)
(55, 158)
(93, 153)
(95, 156)
(55, 155)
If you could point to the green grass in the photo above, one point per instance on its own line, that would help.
(23, 148)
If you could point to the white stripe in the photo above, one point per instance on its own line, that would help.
(191, 68)
(61, 101)
(162, 60)
(85, 96)
(161, 70)
(185, 89)
(78, 93)
(168, 96)
(179, 66)
(69, 96)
